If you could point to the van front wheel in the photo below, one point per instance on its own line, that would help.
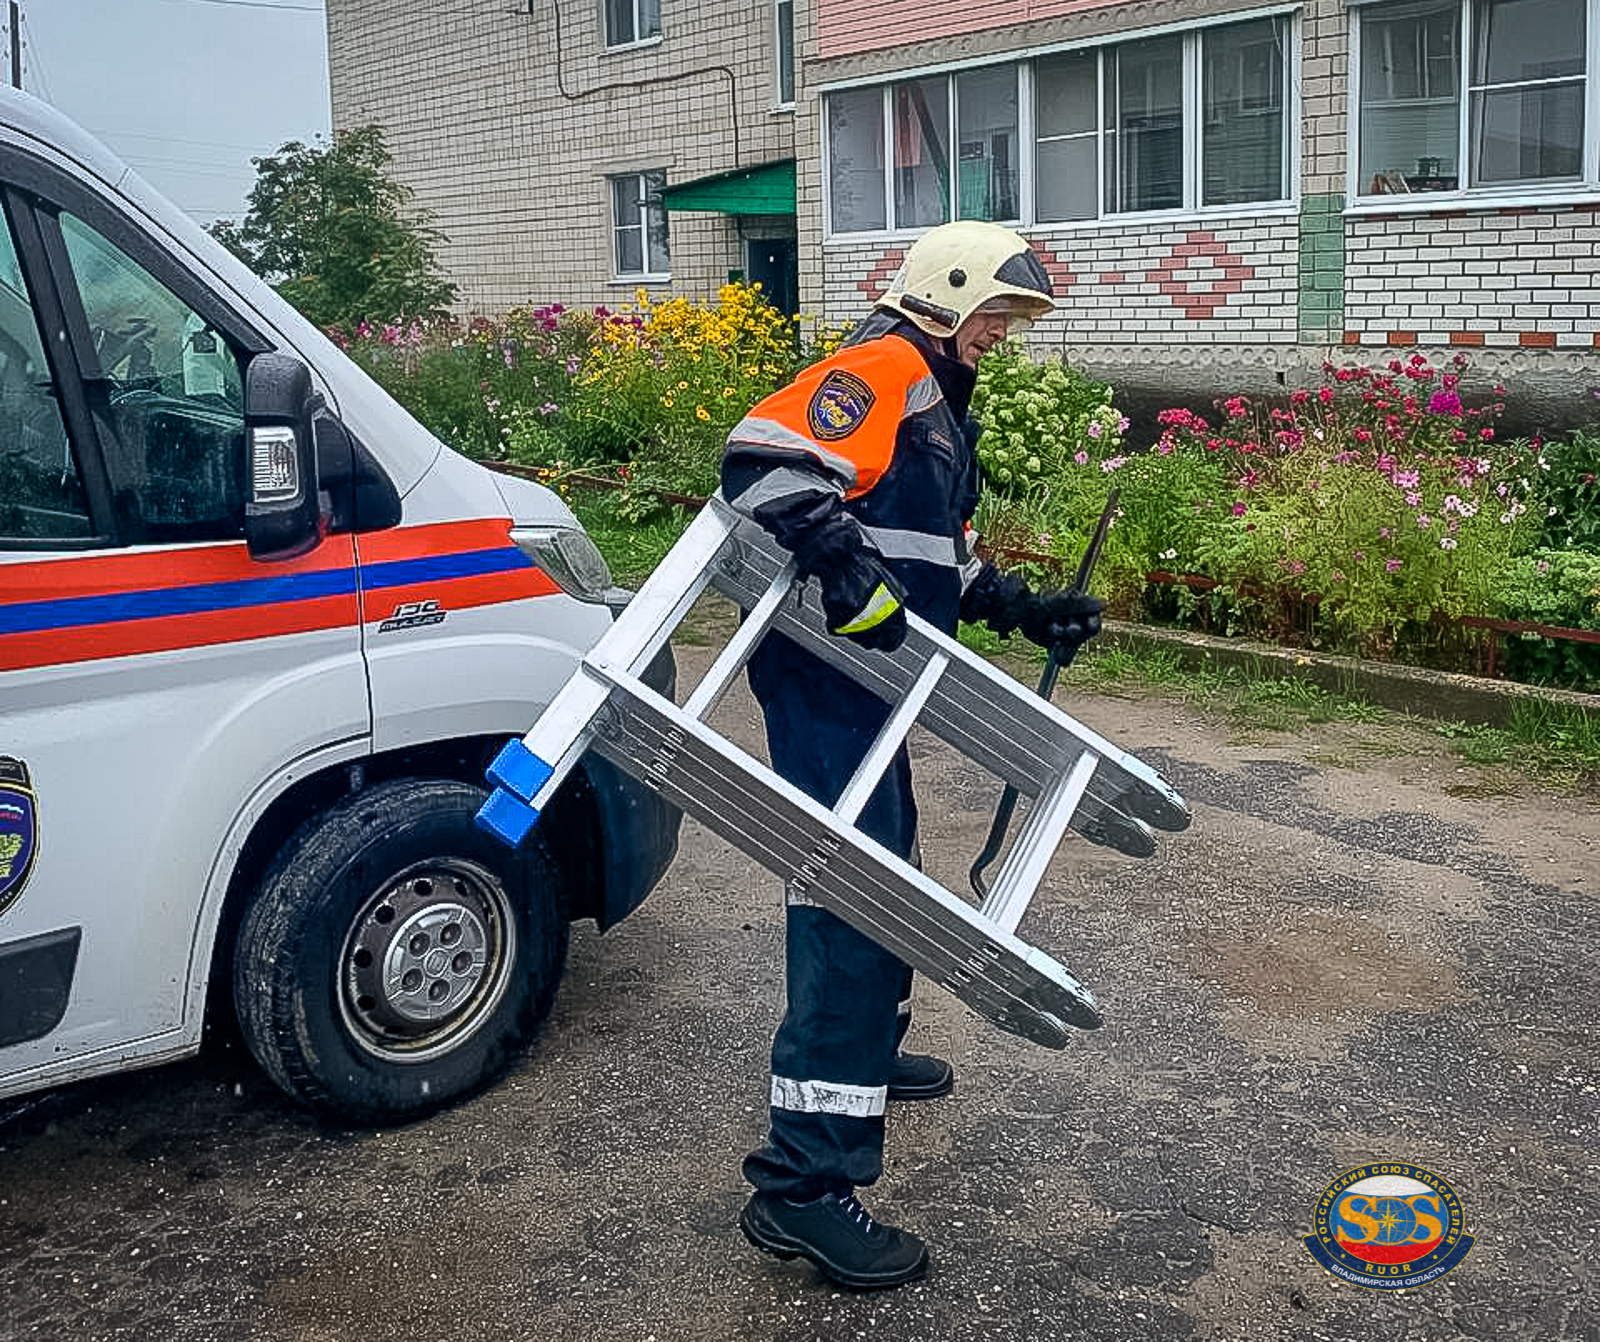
(397, 958)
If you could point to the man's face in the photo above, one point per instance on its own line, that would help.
(979, 333)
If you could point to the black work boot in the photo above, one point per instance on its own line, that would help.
(916, 1076)
(838, 1235)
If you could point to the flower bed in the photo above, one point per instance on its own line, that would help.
(1378, 513)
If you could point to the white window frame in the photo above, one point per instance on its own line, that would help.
(783, 98)
(647, 274)
(1023, 63)
(1523, 193)
(639, 39)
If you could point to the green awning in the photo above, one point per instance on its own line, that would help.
(767, 189)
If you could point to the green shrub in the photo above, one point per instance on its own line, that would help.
(1559, 588)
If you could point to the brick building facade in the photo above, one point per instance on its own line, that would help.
(1227, 193)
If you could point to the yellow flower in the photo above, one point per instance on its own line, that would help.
(700, 412)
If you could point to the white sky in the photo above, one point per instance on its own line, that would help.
(186, 92)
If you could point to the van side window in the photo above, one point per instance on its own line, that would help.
(41, 494)
(175, 396)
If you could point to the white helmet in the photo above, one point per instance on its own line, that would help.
(953, 270)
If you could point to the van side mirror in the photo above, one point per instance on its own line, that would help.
(282, 510)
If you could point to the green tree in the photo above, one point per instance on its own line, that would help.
(335, 233)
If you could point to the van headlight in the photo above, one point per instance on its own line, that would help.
(572, 560)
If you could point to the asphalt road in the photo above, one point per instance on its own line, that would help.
(1360, 952)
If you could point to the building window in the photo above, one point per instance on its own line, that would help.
(855, 161)
(922, 152)
(1514, 113)
(1186, 120)
(629, 21)
(1144, 126)
(639, 226)
(784, 15)
(1066, 123)
(987, 180)
(1241, 114)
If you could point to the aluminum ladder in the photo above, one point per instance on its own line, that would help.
(1076, 779)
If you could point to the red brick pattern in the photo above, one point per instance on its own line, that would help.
(1199, 304)
(877, 279)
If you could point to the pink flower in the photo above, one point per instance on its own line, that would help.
(1239, 510)
(1081, 457)
(1391, 563)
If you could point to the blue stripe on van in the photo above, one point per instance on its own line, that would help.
(75, 612)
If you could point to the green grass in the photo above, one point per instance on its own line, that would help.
(632, 549)
(1554, 743)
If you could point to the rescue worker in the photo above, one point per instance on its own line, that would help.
(864, 468)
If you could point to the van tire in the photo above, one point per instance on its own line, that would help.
(397, 958)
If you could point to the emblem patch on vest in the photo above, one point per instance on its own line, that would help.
(838, 406)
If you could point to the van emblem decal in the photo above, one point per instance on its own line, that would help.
(19, 829)
(413, 615)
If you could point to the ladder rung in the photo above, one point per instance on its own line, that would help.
(871, 769)
(714, 684)
(1046, 826)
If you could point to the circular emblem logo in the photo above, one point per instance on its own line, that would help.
(838, 405)
(1389, 1226)
(19, 829)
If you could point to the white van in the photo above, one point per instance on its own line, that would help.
(259, 635)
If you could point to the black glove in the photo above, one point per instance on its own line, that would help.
(1062, 621)
(863, 602)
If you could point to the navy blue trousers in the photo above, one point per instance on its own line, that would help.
(847, 998)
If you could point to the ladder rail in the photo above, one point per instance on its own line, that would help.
(989, 717)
